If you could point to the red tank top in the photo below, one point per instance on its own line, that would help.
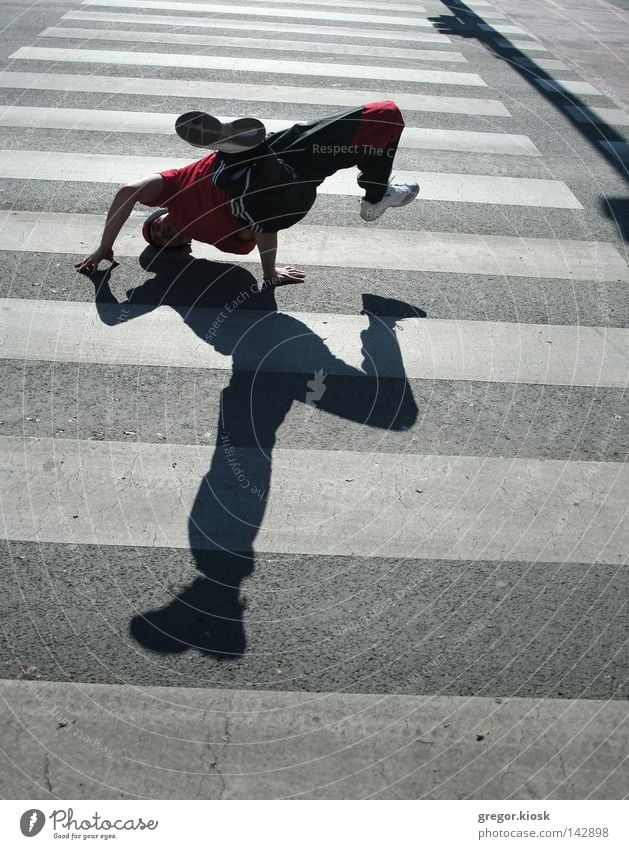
(200, 208)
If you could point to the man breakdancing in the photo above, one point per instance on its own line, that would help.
(255, 185)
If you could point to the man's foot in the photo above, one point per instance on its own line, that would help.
(398, 194)
(202, 130)
(207, 617)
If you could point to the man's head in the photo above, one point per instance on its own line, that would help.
(158, 230)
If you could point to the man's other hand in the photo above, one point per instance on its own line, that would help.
(90, 263)
(284, 276)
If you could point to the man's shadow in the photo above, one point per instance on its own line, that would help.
(221, 304)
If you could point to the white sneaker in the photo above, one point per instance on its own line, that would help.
(398, 194)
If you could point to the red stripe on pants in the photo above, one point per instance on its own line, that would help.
(381, 125)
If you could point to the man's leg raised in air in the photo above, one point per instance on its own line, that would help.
(366, 137)
(376, 140)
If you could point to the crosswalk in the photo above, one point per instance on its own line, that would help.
(221, 90)
(350, 17)
(454, 524)
(256, 26)
(444, 350)
(427, 251)
(244, 64)
(188, 40)
(107, 168)
(145, 122)
(400, 515)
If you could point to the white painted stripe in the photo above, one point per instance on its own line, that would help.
(306, 744)
(471, 188)
(540, 63)
(503, 29)
(258, 26)
(460, 188)
(484, 14)
(325, 47)
(568, 86)
(240, 65)
(519, 45)
(340, 4)
(162, 123)
(350, 247)
(497, 352)
(466, 140)
(599, 115)
(482, 10)
(84, 167)
(619, 149)
(470, 508)
(426, 6)
(218, 90)
(376, 7)
(350, 5)
(266, 12)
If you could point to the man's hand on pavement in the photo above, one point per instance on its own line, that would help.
(90, 263)
(284, 276)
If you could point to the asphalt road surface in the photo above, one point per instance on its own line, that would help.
(374, 525)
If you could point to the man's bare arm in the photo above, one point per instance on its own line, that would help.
(267, 246)
(145, 190)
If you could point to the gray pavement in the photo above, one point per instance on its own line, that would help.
(419, 676)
